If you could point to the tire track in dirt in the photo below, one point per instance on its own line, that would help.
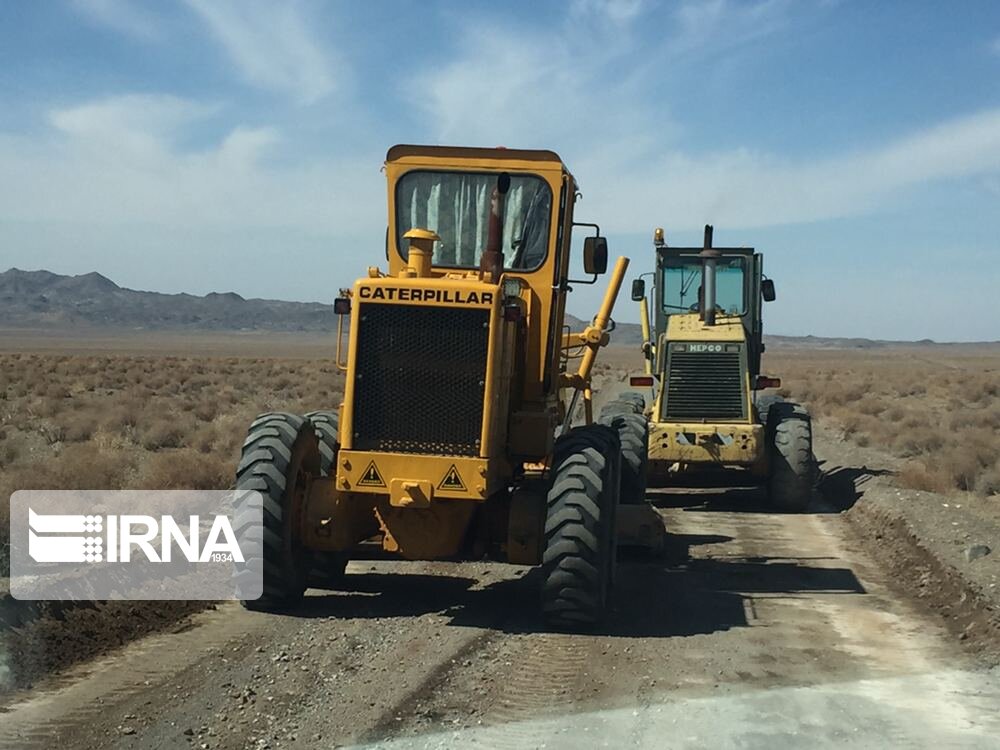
(810, 646)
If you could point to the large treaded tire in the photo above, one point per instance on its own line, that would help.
(625, 402)
(793, 466)
(578, 564)
(327, 568)
(764, 404)
(325, 423)
(633, 432)
(280, 449)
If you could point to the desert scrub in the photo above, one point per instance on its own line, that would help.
(141, 422)
(938, 407)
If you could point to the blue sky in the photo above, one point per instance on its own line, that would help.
(204, 146)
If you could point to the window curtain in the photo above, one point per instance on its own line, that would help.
(456, 206)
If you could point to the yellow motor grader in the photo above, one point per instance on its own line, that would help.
(703, 365)
(455, 437)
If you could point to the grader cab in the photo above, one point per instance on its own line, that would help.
(708, 407)
(454, 439)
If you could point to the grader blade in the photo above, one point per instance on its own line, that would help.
(640, 525)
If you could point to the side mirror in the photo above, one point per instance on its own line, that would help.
(342, 306)
(638, 290)
(767, 290)
(595, 255)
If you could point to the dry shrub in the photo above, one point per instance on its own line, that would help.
(938, 406)
(988, 481)
(55, 391)
(124, 415)
(205, 410)
(163, 432)
(111, 421)
(49, 406)
(80, 428)
(82, 466)
(8, 454)
(916, 440)
(185, 469)
(917, 476)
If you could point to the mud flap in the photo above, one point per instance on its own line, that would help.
(640, 526)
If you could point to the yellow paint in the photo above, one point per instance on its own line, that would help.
(648, 352)
(420, 253)
(546, 303)
(428, 533)
(420, 502)
(478, 476)
(702, 443)
(688, 327)
(333, 520)
(410, 493)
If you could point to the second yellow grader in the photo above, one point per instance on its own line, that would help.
(703, 352)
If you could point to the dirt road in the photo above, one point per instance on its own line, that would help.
(755, 630)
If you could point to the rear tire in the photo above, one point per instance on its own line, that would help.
(328, 434)
(637, 400)
(627, 402)
(280, 451)
(633, 432)
(764, 404)
(578, 563)
(793, 467)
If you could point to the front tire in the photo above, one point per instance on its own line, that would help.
(793, 468)
(280, 452)
(578, 563)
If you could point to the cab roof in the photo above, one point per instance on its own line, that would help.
(420, 154)
(669, 250)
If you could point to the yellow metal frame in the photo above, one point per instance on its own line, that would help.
(649, 348)
(592, 338)
(460, 291)
(473, 474)
(706, 443)
(737, 442)
(544, 164)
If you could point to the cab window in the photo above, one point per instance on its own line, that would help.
(456, 206)
(682, 285)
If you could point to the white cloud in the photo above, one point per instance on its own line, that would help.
(127, 126)
(271, 45)
(122, 160)
(742, 188)
(511, 87)
(122, 16)
(616, 11)
(718, 24)
(525, 89)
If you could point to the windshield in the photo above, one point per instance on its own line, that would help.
(682, 285)
(456, 205)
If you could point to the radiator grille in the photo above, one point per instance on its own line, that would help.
(705, 385)
(420, 379)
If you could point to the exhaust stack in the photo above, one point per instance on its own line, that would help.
(492, 261)
(708, 256)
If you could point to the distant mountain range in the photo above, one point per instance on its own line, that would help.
(46, 299)
(42, 299)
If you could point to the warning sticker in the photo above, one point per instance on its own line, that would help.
(452, 480)
(371, 477)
